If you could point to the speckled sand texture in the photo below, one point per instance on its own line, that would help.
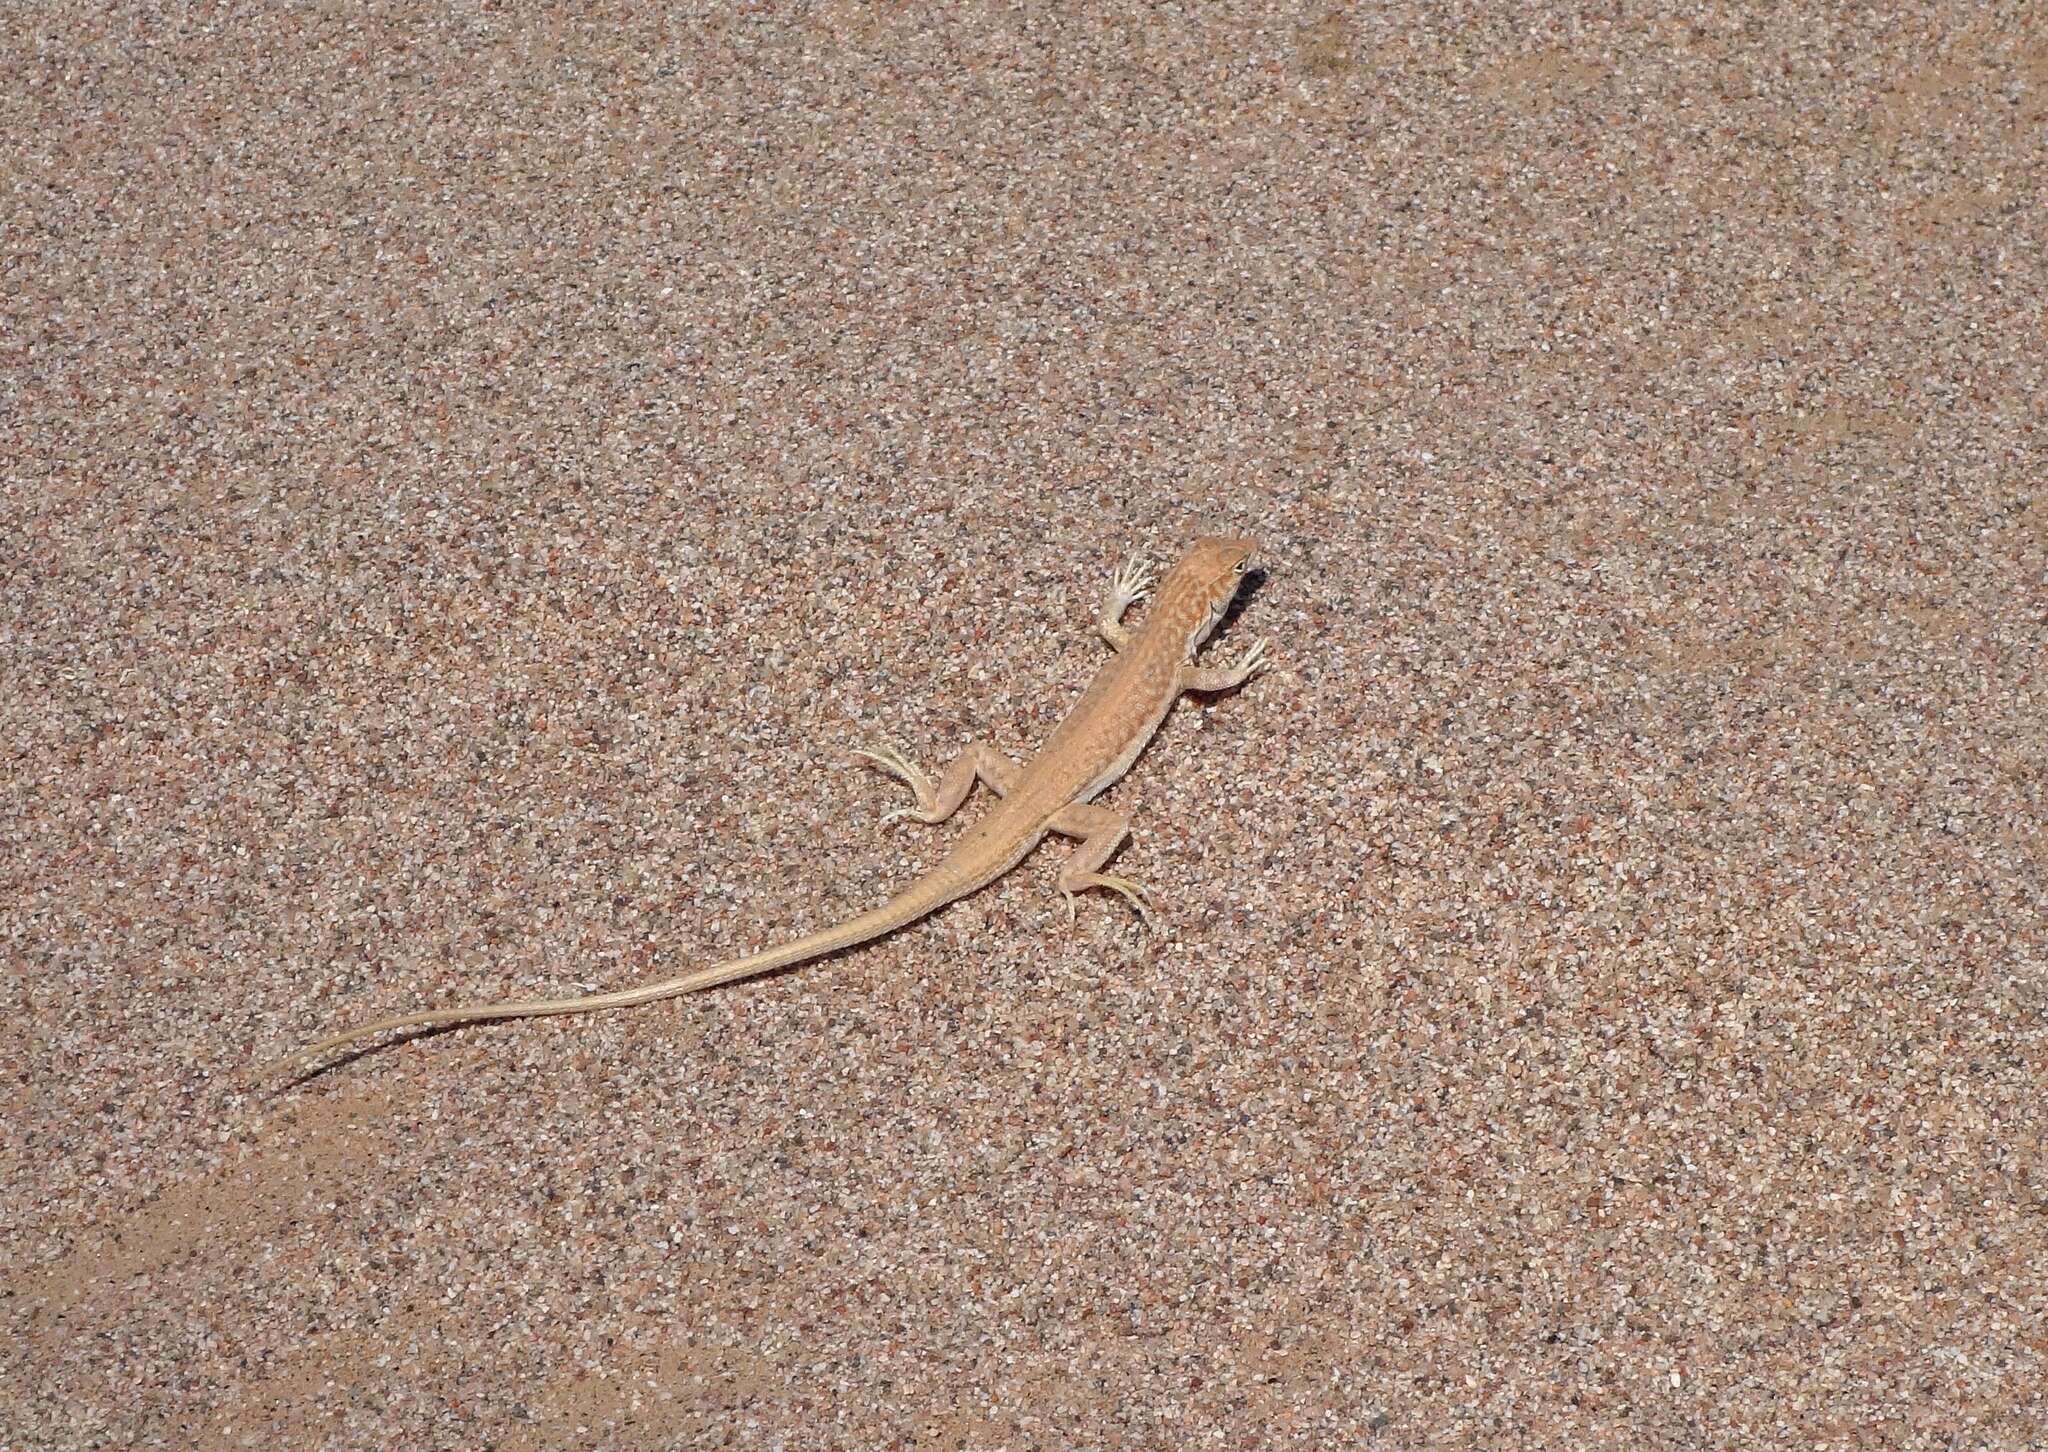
(472, 471)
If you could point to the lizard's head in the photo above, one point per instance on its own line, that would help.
(1201, 586)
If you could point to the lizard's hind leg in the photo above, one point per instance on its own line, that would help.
(936, 803)
(1101, 832)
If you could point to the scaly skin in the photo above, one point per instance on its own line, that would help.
(1094, 746)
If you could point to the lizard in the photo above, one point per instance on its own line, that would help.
(1053, 792)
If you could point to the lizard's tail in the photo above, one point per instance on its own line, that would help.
(905, 908)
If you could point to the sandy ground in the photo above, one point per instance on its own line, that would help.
(471, 472)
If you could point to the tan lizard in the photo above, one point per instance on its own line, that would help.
(1052, 792)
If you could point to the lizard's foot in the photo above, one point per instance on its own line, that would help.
(1254, 662)
(1130, 890)
(1226, 678)
(889, 759)
(1133, 583)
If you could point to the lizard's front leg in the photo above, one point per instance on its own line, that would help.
(1224, 678)
(936, 803)
(1132, 583)
(1101, 832)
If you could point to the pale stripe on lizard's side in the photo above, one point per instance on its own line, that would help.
(1052, 792)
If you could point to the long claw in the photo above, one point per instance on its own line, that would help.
(1134, 893)
(896, 763)
(883, 756)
